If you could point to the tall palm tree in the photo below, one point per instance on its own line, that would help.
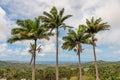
(93, 27)
(55, 20)
(29, 30)
(74, 41)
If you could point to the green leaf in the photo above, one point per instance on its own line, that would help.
(66, 17)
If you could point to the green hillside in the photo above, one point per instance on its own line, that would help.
(17, 71)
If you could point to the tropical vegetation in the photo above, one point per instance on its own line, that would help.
(18, 71)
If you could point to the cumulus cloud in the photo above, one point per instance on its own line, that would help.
(89, 50)
(110, 13)
(25, 52)
(4, 30)
(99, 50)
(41, 54)
(25, 43)
(3, 47)
(48, 46)
(5, 51)
(117, 52)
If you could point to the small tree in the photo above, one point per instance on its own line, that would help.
(74, 41)
(55, 20)
(29, 30)
(93, 27)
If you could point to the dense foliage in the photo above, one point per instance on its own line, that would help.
(17, 71)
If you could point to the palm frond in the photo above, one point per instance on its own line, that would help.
(54, 10)
(65, 26)
(48, 15)
(55, 19)
(73, 39)
(65, 17)
(94, 26)
(17, 30)
(61, 12)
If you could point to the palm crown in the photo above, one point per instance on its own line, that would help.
(55, 19)
(28, 30)
(95, 26)
(74, 38)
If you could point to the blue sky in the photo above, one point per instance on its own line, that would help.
(108, 43)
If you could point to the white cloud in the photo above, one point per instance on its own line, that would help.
(117, 52)
(99, 50)
(48, 46)
(109, 38)
(25, 43)
(113, 47)
(90, 50)
(4, 51)
(41, 54)
(4, 31)
(3, 47)
(110, 13)
(25, 52)
(8, 52)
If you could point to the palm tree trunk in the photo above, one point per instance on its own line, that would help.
(80, 67)
(57, 54)
(79, 63)
(95, 62)
(34, 61)
(33, 69)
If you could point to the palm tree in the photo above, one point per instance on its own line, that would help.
(55, 20)
(93, 27)
(29, 30)
(74, 41)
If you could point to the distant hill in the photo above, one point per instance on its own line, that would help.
(13, 64)
(25, 65)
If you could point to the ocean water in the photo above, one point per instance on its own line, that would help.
(49, 62)
(60, 62)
